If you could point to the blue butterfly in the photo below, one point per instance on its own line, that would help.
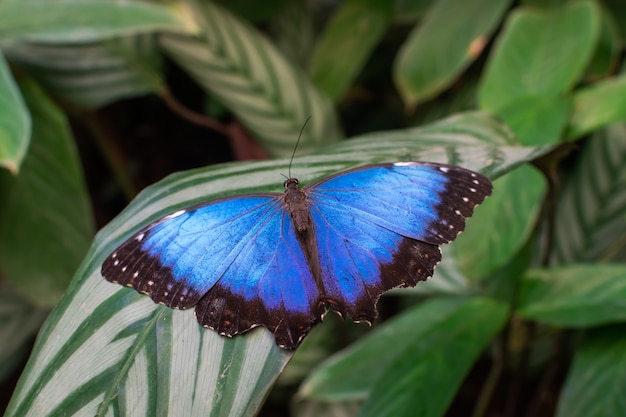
(282, 260)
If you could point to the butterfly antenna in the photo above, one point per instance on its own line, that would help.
(297, 143)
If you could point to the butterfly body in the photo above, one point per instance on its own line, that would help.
(282, 260)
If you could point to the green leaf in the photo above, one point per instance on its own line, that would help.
(271, 96)
(45, 218)
(537, 120)
(423, 379)
(596, 382)
(346, 43)
(540, 53)
(138, 351)
(576, 295)
(15, 122)
(83, 21)
(414, 362)
(589, 223)
(340, 378)
(513, 207)
(92, 74)
(597, 106)
(446, 42)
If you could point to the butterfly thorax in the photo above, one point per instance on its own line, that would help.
(296, 201)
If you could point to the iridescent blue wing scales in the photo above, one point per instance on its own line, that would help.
(237, 260)
(280, 260)
(379, 227)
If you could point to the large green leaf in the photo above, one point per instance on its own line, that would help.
(107, 349)
(340, 378)
(346, 43)
(270, 95)
(540, 53)
(45, 217)
(596, 383)
(83, 21)
(577, 295)
(423, 378)
(513, 209)
(413, 364)
(443, 44)
(15, 122)
(92, 74)
(590, 224)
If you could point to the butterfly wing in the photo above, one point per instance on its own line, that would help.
(237, 260)
(379, 227)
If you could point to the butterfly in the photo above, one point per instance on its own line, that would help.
(282, 260)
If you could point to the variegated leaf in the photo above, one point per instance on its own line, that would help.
(269, 94)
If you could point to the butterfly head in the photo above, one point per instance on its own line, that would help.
(291, 183)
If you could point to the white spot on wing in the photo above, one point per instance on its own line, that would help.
(140, 237)
(404, 164)
(123, 269)
(444, 169)
(116, 262)
(175, 214)
(473, 190)
(465, 199)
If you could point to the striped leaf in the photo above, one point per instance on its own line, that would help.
(595, 383)
(19, 322)
(590, 221)
(107, 350)
(270, 95)
(92, 74)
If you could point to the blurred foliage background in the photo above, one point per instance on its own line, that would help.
(99, 99)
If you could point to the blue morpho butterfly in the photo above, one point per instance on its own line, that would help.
(282, 260)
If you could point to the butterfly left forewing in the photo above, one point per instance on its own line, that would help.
(236, 260)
